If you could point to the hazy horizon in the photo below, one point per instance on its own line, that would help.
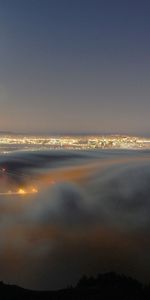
(63, 133)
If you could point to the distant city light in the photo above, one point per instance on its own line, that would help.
(21, 192)
(26, 143)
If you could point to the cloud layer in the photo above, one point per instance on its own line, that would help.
(91, 214)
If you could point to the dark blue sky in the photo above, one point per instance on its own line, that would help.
(75, 66)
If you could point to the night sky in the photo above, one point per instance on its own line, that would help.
(75, 66)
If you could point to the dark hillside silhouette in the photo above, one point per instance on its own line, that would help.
(103, 286)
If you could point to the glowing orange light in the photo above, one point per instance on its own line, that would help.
(21, 192)
(34, 190)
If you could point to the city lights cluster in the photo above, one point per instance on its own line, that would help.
(10, 142)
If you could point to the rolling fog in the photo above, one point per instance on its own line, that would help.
(91, 213)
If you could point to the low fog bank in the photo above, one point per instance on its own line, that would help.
(94, 217)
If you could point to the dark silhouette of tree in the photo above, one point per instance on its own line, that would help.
(102, 286)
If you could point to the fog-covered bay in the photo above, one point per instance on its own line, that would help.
(63, 214)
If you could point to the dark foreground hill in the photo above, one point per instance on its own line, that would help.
(104, 286)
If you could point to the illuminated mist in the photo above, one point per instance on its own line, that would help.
(68, 213)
